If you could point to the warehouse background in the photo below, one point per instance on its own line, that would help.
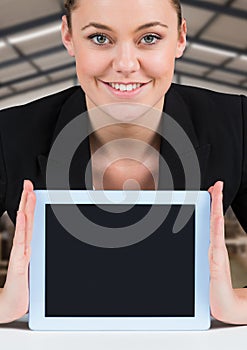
(34, 63)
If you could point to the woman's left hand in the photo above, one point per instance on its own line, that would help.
(227, 304)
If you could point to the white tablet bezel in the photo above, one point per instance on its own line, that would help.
(201, 320)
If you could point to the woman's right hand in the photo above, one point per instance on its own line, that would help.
(14, 297)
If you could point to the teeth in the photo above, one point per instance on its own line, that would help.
(123, 87)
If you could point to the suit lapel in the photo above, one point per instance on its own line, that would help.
(75, 106)
(182, 158)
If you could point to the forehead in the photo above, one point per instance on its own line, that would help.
(128, 12)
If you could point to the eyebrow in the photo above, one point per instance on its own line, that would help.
(143, 26)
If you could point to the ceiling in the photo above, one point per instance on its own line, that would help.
(33, 61)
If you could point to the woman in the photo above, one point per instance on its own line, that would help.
(121, 63)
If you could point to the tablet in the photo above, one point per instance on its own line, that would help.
(120, 260)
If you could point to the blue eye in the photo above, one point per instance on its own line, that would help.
(99, 37)
(151, 36)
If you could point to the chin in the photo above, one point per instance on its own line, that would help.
(125, 112)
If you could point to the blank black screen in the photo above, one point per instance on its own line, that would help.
(154, 277)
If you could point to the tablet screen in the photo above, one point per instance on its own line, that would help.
(154, 277)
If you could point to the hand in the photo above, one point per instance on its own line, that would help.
(14, 297)
(227, 304)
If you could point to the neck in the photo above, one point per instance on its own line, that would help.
(132, 127)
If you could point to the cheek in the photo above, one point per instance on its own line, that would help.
(90, 63)
(161, 65)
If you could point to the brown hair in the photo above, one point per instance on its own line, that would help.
(176, 4)
(70, 5)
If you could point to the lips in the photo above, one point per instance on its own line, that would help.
(124, 94)
(124, 83)
(119, 83)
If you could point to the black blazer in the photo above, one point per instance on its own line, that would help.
(215, 123)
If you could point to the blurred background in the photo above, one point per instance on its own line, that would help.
(34, 63)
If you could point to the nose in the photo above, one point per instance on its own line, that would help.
(126, 60)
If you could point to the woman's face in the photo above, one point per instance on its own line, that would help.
(113, 42)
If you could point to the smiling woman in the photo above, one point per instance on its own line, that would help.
(126, 60)
(125, 54)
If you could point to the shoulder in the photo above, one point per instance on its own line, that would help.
(194, 95)
(46, 108)
(209, 106)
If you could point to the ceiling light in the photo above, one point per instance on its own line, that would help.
(243, 57)
(2, 44)
(213, 50)
(16, 39)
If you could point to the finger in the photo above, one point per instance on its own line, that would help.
(217, 204)
(23, 200)
(217, 232)
(29, 212)
(221, 292)
(218, 251)
(27, 186)
(216, 212)
(210, 189)
(18, 248)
